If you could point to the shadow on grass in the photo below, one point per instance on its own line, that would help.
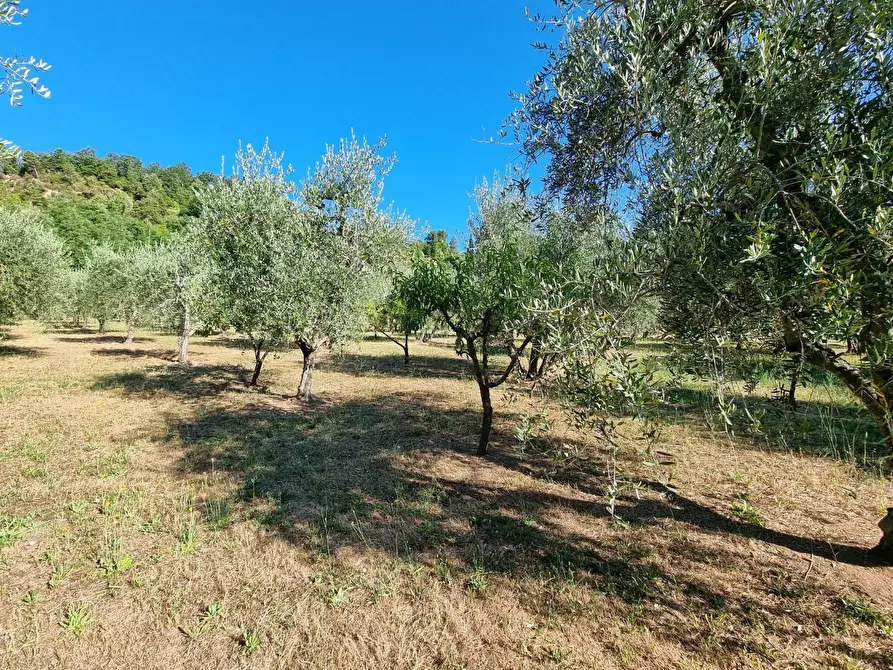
(161, 354)
(27, 352)
(394, 365)
(239, 343)
(187, 381)
(369, 476)
(345, 467)
(816, 427)
(104, 339)
(337, 476)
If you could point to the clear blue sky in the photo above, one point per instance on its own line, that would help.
(185, 80)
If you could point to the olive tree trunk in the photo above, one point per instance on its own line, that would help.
(131, 331)
(305, 387)
(486, 383)
(533, 364)
(885, 546)
(404, 345)
(259, 356)
(185, 327)
(486, 418)
(875, 392)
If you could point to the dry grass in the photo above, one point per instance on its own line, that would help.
(161, 517)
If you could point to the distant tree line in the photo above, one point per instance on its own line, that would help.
(114, 199)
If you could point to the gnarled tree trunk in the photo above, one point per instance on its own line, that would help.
(486, 418)
(259, 357)
(131, 331)
(533, 364)
(875, 393)
(101, 325)
(305, 387)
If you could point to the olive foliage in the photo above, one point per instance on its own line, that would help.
(752, 144)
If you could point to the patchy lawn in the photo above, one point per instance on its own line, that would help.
(153, 516)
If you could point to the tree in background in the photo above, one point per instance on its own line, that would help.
(140, 291)
(76, 296)
(17, 73)
(253, 230)
(347, 242)
(106, 272)
(398, 314)
(113, 199)
(186, 271)
(33, 266)
(482, 294)
(85, 224)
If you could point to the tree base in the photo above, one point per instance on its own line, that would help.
(884, 549)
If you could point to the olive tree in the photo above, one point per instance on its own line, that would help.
(483, 293)
(104, 272)
(253, 230)
(295, 266)
(33, 266)
(121, 284)
(186, 292)
(76, 306)
(140, 288)
(17, 73)
(348, 241)
(754, 144)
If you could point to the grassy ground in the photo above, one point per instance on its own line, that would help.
(161, 517)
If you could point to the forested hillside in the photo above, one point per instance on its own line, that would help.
(90, 199)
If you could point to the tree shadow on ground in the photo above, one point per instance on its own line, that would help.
(187, 381)
(344, 465)
(369, 476)
(346, 462)
(27, 352)
(239, 343)
(394, 365)
(70, 329)
(340, 456)
(162, 354)
(104, 339)
(826, 429)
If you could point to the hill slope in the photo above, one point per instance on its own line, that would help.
(90, 199)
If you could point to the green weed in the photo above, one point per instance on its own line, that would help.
(76, 619)
(251, 641)
(13, 528)
(188, 540)
(864, 612)
(743, 510)
(218, 513)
